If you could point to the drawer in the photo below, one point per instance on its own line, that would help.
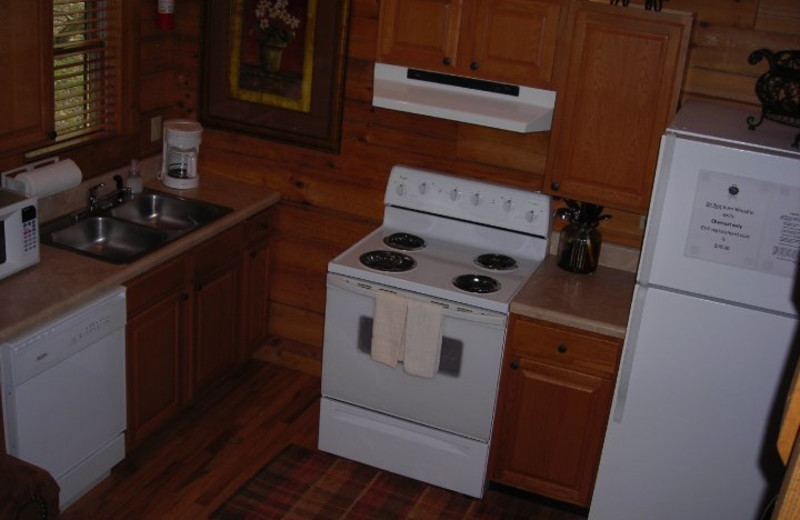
(217, 250)
(256, 228)
(567, 348)
(156, 283)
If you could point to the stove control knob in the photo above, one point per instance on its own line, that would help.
(476, 199)
(507, 205)
(400, 189)
(455, 194)
(423, 188)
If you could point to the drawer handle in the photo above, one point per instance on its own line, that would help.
(562, 349)
(515, 364)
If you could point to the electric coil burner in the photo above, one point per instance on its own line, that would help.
(390, 261)
(453, 252)
(476, 283)
(496, 262)
(404, 241)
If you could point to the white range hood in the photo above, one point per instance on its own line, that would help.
(485, 103)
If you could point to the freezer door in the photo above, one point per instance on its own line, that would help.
(724, 223)
(696, 412)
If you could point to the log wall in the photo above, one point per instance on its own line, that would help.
(331, 200)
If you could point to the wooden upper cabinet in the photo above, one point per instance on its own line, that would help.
(512, 41)
(26, 111)
(624, 74)
(419, 33)
(515, 40)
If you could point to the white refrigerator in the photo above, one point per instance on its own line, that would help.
(713, 331)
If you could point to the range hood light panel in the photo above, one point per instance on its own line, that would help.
(485, 103)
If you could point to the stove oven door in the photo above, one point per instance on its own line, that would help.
(460, 398)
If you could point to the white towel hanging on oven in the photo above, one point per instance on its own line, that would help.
(423, 342)
(388, 328)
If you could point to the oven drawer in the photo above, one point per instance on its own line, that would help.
(565, 348)
(426, 454)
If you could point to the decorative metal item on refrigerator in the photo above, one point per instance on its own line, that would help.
(778, 89)
(579, 245)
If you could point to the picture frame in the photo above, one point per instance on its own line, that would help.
(275, 68)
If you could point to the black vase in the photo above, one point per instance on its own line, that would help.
(579, 248)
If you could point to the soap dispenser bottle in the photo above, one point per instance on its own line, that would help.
(134, 177)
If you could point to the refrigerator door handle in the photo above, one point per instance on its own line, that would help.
(626, 365)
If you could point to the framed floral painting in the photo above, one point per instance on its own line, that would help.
(275, 68)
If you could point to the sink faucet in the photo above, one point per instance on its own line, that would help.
(93, 200)
(110, 199)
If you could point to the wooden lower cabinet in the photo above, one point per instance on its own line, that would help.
(156, 345)
(215, 332)
(553, 409)
(255, 283)
(186, 324)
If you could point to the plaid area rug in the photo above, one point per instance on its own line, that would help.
(301, 484)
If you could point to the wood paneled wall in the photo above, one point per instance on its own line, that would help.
(331, 200)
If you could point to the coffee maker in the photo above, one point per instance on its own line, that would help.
(181, 147)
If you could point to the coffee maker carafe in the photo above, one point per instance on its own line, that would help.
(181, 148)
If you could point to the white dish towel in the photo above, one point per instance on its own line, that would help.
(423, 338)
(388, 328)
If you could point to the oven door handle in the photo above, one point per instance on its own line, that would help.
(449, 309)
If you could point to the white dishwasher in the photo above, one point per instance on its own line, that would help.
(63, 387)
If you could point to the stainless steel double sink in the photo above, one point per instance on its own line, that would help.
(131, 228)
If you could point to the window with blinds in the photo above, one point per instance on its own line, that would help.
(86, 39)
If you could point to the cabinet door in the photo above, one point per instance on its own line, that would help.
(550, 430)
(420, 33)
(625, 69)
(26, 61)
(215, 348)
(155, 349)
(255, 297)
(513, 40)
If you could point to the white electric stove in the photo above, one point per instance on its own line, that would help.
(467, 246)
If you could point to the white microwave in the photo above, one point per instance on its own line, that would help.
(19, 232)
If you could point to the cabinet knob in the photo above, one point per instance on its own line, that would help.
(515, 364)
(198, 287)
(253, 253)
(52, 134)
(474, 65)
(184, 296)
(562, 349)
(555, 186)
(447, 61)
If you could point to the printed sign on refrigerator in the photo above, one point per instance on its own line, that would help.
(745, 222)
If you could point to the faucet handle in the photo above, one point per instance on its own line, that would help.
(93, 189)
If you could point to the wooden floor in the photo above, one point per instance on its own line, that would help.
(188, 469)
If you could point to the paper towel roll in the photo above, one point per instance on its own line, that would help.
(50, 179)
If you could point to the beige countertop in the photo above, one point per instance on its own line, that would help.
(597, 302)
(63, 281)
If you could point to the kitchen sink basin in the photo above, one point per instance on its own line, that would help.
(169, 214)
(110, 239)
(132, 228)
